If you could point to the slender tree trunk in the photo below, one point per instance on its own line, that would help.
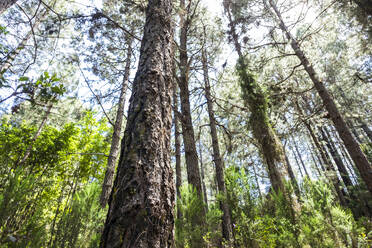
(336, 157)
(115, 142)
(177, 144)
(203, 176)
(256, 179)
(298, 164)
(226, 218)
(191, 155)
(293, 178)
(36, 135)
(300, 158)
(351, 144)
(314, 160)
(329, 170)
(142, 200)
(6, 4)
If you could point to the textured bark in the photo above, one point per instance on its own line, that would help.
(142, 200)
(191, 155)
(115, 141)
(177, 145)
(350, 143)
(6, 4)
(259, 122)
(226, 218)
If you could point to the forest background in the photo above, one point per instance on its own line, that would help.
(271, 142)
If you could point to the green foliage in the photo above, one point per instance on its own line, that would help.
(187, 233)
(52, 198)
(268, 223)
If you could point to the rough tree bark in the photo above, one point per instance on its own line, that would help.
(226, 218)
(350, 143)
(142, 200)
(115, 142)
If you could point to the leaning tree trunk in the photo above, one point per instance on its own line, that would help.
(6, 4)
(115, 142)
(142, 200)
(350, 143)
(226, 218)
(270, 145)
(329, 171)
(300, 158)
(336, 158)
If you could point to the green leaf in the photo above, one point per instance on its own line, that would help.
(22, 79)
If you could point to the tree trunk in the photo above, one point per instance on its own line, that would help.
(314, 160)
(336, 157)
(115, 142)
(351, 144)
(226, 218)
(177, 145)
(330, 173)
(270, 145)
(297, 162)
(191, 155)
(6, 4)
(300, 158)
(142, 200)
(256, 179)
(293, 178)
(202, 176)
